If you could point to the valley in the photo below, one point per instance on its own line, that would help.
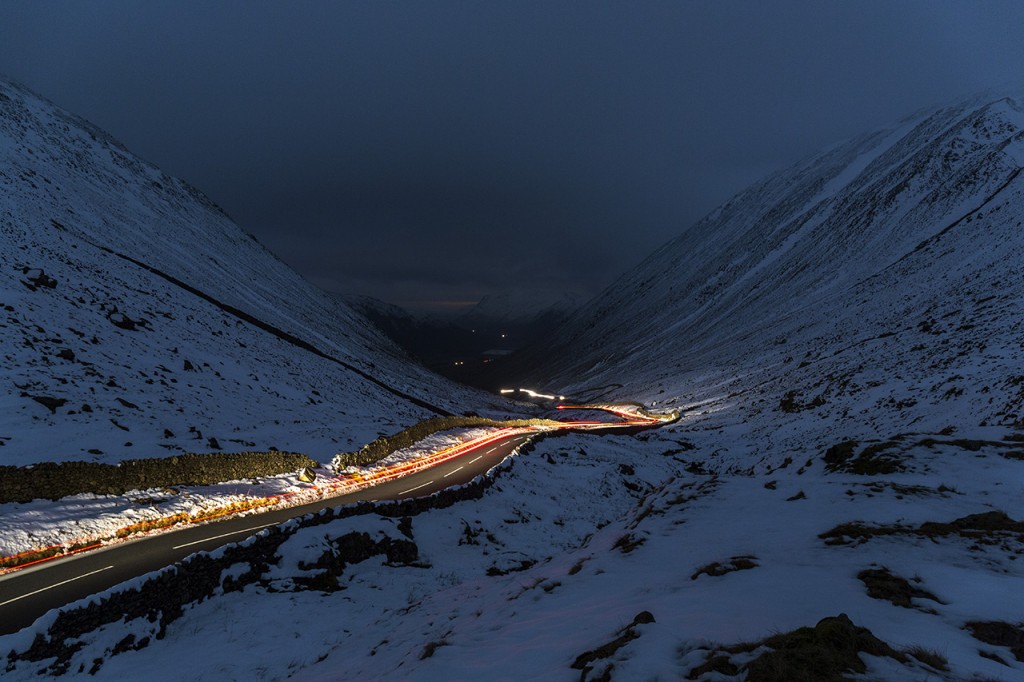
(836, 477)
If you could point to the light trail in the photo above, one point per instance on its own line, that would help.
(340, 484)
(532, 393)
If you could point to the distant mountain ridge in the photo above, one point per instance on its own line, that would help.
(461, 346)
(139, 319)
(520, 306)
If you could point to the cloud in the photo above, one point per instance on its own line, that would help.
(450, 146)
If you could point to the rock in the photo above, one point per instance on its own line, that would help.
(37, 277)
(49, 402)
(402, 552)
(643, 618)
(121, 320)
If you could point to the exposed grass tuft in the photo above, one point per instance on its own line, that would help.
(827, 652)
(874, 460)
(716, 664)
(584, 662)
(824, 653)
(929, 657)
(999, 633)
(736, 563)
(986, 526)
(883, 584)
(628, 542)
(431, 647)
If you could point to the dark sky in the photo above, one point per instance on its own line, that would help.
(424, 152)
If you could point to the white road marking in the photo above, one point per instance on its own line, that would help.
(64, 582)
(473, 460)
(452, 472)
(491, 450)
(215, 537)
(416, 488)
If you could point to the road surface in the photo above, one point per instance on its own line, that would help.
(27, 594)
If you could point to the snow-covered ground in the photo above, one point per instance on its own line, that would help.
(45, 523)
(586, 532)
(843, 341)
(535, 512)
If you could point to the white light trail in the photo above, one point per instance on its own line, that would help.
(534, 394)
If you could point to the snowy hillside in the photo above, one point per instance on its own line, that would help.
(879, 280)
(843, 495)
(139, 320)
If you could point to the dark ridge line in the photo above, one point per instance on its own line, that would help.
(281, 334)
(988, 199)
(923, 244)
(271, 329)
(932, 239)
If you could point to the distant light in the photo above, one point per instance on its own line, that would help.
(534, 394)
(502, 336)
(508, 390)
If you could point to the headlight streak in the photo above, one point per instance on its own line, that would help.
(532, 393)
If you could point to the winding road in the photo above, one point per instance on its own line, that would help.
(28, 593)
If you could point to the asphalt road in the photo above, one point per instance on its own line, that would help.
(27, 594)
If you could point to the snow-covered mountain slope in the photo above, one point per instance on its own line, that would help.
(845, 341)
(139, 320)
(878, 282)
